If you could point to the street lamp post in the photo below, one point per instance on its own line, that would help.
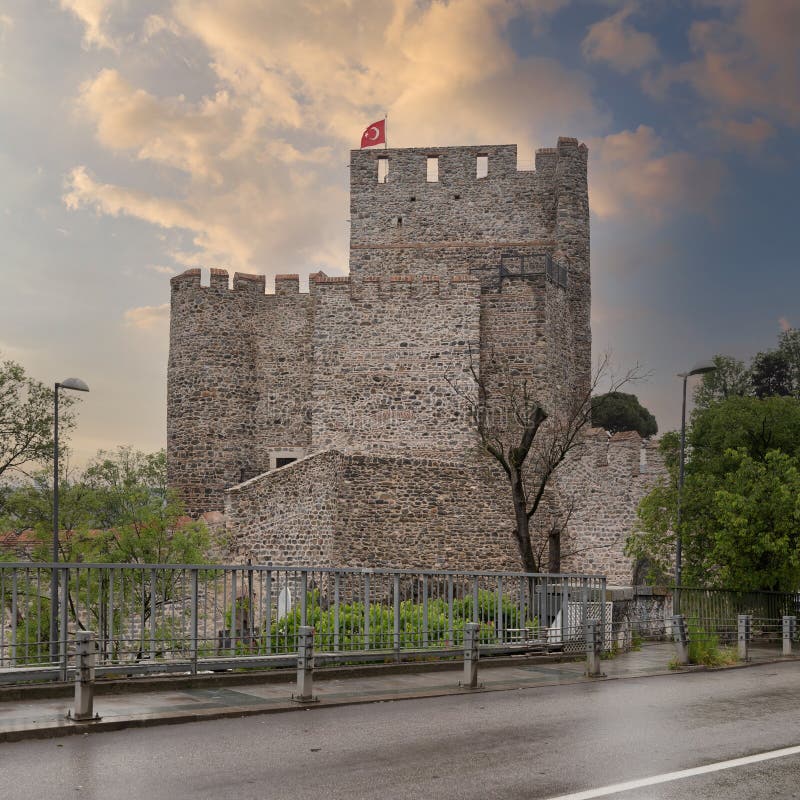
(698, 369)
(77, 385)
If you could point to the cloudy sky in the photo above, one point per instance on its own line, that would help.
(140, 137)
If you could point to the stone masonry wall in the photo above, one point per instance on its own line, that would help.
(508, 205)
(354, 510)
(335, 509)
(289, 515)
(211, 386)
(385, 353)
(417, 513)
(607, 479)
(283, 339)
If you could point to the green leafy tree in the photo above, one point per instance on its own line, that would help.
(755, 539)
(26, 420)
(736, 517)
(771, 374)
(118, 511)
(731, 378)
(789, 348)
(618, 411)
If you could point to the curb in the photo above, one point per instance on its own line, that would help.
(55, 690)
(177, 718)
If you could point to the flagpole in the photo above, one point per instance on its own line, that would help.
(386, 131)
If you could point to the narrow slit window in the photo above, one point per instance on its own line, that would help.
(383, 170)
(482, 167)
(433, 169)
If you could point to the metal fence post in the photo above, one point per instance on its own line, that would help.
(605, 637)
(367, 573)
(85, 653)
(194, 621)
(153, 620)
(396, 622)
(471, 655)
(594, 644)
(681, 635)
(450, 630)
(305, 666)
(564, 610)
(745, 631)
(303, 597)
(789, 629)
(63, 610)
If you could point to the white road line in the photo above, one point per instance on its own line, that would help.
(604, 791)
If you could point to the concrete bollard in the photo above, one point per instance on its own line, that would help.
(680, 633)
(85, 653)
(593, 648)
(789, 630)
(305, 666)
(471, 655)
(745, 632)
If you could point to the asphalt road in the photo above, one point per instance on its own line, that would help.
(532, 743)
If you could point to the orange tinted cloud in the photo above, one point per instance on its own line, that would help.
(632, 173)
(746, 61)
(147, 318)
(617, 43)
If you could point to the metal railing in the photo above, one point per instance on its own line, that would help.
(711, 618)
(729, 603)
(187, 617)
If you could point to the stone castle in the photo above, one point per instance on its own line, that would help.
(332, 427)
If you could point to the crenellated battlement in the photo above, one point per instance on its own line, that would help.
(369, 288)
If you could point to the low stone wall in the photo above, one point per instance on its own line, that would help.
(357, 510)
(643, 612)
(406, 512)
(334, 509)
(287, 516)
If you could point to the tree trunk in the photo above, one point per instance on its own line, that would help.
(554, 551)
(522, 523)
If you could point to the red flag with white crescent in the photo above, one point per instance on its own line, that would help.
(374, 134)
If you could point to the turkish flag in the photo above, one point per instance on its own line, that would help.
(374, 134)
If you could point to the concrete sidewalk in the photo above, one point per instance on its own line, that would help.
(32, 717)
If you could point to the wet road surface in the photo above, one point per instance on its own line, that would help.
(530, 743)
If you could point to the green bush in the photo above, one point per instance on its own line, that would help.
(413, 622)
(704, 647)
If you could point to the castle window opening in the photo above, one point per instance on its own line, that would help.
(433, 169)
(482, 167)
(399, 222)
(282, 462)
(383, 170)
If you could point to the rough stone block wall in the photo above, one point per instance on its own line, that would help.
(283, 342)
(211, 386)
(508, 205)
(289, 515)
(607, 477)
(385, 353)
(418, 513)
(337, 509)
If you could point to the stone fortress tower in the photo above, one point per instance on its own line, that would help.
(327, 425)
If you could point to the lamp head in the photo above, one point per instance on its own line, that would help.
(76, 384)
(700, 368)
